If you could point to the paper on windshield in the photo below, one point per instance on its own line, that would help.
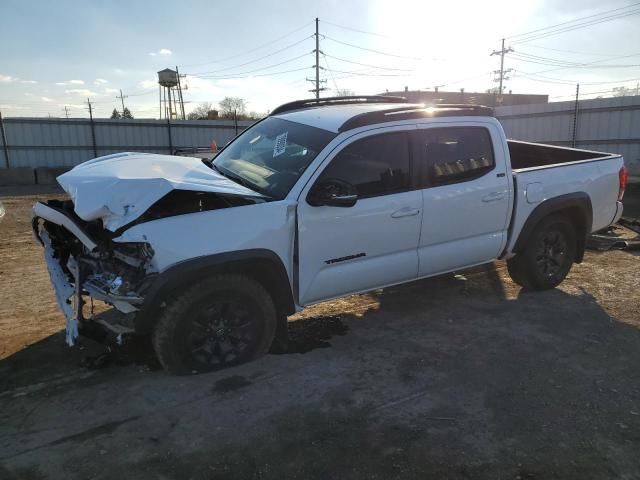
(280, 144)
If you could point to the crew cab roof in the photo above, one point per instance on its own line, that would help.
(338, 114)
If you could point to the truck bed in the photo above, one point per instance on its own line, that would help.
(542, 172)
(525, 155)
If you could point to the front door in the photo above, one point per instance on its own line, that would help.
(372, 243)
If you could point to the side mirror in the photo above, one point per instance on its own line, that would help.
(332, 193)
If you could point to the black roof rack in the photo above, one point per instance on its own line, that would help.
(411, 112)
(320, 102)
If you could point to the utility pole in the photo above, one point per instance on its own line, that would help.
(317, 66)
(93, 128)
(317, 61)
(502, 71)
(180, 93)
(575, 117)
(66, 111)
(4, 142)
(122, 97)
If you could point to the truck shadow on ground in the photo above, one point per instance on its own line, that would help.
(460, 376)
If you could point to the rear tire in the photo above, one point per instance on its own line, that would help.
(222, 321)
(547, 257)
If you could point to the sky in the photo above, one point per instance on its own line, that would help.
(58, 54)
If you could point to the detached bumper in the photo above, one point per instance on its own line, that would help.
(72, 279)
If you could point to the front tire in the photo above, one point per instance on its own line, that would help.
(547, 257)
(222, 321)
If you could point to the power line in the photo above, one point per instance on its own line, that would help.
(465, 79)
(355, 29)
(246, 52)
(547, 59)
(147, 92)
(572, 51)
(369, 49)
(367, 65)
(560, 81)
(333, 78)
(632, 65)
(355, 73)
(252, 61)
(261, 74)
(232, 75)
(575, 26)
(586, 64)
(539, 30)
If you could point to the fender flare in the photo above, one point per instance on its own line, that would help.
(578, 203)
(262, 264)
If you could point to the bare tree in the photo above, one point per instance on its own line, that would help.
(204, 111)
(344, 92)
(231, 106)
(625, 91)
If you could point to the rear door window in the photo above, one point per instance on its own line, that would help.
(453, 155)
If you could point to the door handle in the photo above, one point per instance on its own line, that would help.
(493, 197)
(405, 212)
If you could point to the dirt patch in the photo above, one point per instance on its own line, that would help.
(461, 376)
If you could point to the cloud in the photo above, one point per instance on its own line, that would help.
(100, 81)
(81, 91)
(148, 83)
(7, 78)
(46, 99)
(162, 51)
(28, 94)
(110, 90)
(70, 82)
(32, 82)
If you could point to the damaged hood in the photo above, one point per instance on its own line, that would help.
(121, 187)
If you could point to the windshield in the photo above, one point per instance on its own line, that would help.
(270, 156)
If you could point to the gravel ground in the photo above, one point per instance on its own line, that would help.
(460, 376)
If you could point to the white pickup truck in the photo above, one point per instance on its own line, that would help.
(321, 199)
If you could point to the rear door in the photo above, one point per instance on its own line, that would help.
(466, 196)
(373, 243)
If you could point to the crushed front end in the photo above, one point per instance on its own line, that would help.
(85, 264)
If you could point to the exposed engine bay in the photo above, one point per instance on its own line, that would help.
(86, 264)
(88, 246)
(116, 273)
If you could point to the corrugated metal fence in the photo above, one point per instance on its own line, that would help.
(56, 142)
(606, 124)
(603, 124)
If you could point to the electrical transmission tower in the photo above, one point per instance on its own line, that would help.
(317, 66)
(501, 74)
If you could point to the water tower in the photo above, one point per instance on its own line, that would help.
(171, 103)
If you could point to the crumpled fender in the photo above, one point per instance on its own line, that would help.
(119, 188)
